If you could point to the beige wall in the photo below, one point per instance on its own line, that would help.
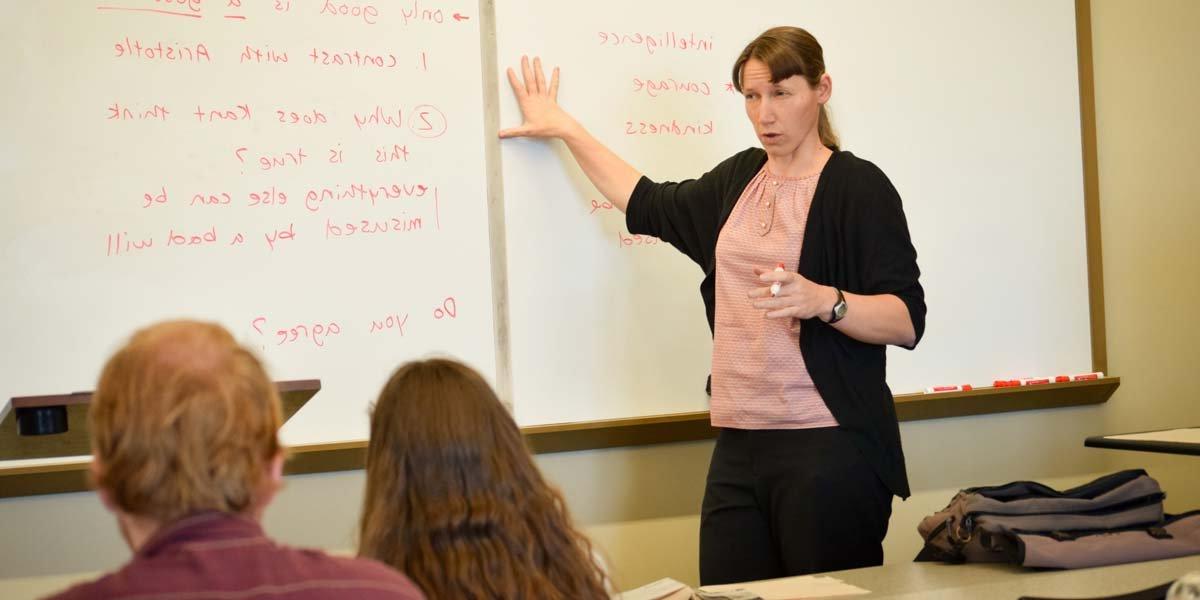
(1147, 57)
(640, 505)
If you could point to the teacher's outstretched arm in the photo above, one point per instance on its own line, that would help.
(544, 118)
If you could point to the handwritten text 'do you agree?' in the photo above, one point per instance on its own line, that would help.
(318, 333)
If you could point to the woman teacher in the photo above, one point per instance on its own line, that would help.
(808, 455)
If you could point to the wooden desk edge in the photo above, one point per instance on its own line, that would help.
(1161, 447)
(614, 433)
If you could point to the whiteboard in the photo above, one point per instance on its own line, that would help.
(979, 133)
(147, 182)
(570, 316)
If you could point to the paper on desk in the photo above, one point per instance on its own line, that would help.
(793, 588)
(663, 589)
(1190, 435)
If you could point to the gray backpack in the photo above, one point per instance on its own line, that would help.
(1115, 519)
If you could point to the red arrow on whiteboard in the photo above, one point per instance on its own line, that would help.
(460, 18)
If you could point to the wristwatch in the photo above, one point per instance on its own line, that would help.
(839, 308)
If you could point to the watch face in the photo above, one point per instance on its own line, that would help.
(840, 309)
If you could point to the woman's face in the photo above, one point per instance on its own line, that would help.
(784, 114)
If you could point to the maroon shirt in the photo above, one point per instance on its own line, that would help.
(215, 555)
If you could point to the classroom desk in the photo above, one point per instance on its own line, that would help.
(934, 581)
(1170, 441)
(901, 581)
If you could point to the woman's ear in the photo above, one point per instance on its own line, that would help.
(824, 88)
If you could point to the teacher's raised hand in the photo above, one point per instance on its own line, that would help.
(543, 117)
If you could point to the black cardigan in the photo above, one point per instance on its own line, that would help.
(856, 240)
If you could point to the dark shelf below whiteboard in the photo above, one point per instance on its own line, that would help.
(615, 433)
(909, 407)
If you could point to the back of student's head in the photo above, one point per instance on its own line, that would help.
(455, 501)
(184, 420)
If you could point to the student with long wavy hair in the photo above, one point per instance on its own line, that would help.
(455, 501)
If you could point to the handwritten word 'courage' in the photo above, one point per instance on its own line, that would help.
(656, 87)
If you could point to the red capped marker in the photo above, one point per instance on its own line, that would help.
(948, 388)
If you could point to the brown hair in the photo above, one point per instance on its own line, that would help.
(789, 51)
(455, 501)
(183, 420)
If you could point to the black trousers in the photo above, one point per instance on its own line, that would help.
(789, 502)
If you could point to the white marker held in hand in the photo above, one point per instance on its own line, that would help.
(775, 286)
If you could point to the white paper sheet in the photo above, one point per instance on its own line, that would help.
(663, 589)
(794, 588)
